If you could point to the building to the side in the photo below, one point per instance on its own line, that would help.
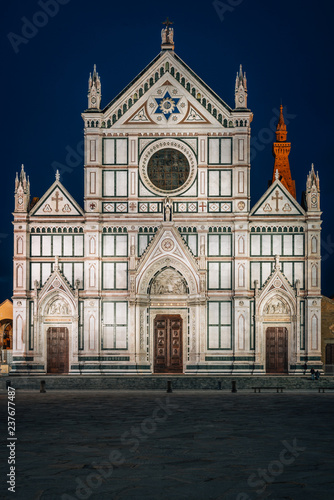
(327, 334)
(167, 268)
(6, 334)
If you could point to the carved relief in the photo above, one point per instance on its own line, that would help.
(277, 306)
(58, 308)
(169, 282)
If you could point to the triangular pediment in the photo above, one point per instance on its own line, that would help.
(277, 201)
(56, 284)
(57, 201)
(167, 244)
(166, 92)
(277, 296)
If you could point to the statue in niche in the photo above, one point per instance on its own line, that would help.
(167, 210)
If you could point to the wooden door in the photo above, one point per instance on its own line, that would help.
(277, 350)
(329, 354)
(57, 342)
(168, 344)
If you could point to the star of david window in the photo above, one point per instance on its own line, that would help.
(167, 105)
(168, 169)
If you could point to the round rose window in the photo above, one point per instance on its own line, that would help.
(168, 169)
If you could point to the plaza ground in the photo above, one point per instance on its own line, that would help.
(134, 445)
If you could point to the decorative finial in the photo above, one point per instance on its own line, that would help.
(57, 175)
(277, 175)
(56, 265)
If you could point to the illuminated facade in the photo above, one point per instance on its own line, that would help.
(167, 268)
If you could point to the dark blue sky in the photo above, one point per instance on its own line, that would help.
(285, 48)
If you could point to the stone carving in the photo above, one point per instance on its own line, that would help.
(58, 308)
(167, 244)
(169, 282)
(277, 306)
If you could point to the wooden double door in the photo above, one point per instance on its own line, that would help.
(277, 350)
(57, 350)
(168, 344)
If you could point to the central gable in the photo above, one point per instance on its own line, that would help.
(166, 92)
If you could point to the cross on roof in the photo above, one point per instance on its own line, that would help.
(167, 23)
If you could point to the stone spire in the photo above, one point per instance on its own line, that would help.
(241, 89)
(167, 36)
(313, 191)
(22, 191)
(281, 150)
(94, 90)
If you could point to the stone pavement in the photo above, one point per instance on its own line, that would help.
(194, 445)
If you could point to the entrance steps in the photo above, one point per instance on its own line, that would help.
(159, 382)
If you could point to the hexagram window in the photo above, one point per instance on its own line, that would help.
(168, 169)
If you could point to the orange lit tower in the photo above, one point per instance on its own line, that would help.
(281, 150)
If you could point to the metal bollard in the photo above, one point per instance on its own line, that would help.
(219, 386)
(234, 386)
(8, 384)
(169, 386)
(42, 388)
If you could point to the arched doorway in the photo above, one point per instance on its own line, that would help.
(168, 343)
(167, 289)
(57, 312)
(276, 349)
(277, 314)
(57, 350)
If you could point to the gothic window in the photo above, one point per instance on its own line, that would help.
(219, 245)
(115, 183)
(168, 169)
(114, 275)
(219, 182)
(115, 151)
(115, 325)
(219, 275)
(219, 325)
(114, 245)
(220, 151)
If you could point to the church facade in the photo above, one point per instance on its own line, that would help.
(167, 268)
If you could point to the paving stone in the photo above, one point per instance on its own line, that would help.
(212, 445)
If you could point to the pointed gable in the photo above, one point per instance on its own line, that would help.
(167, 243)
(277, 201)
(167, 91)
(57, 201)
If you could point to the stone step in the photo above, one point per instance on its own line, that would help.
(159, 382)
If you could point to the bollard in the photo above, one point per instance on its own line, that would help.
(234, 386)
(42, 388)
(8, 384)
(219, 386)
(169, 386)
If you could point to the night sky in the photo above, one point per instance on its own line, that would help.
(285, 48)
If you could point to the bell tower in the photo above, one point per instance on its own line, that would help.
(281, 150)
